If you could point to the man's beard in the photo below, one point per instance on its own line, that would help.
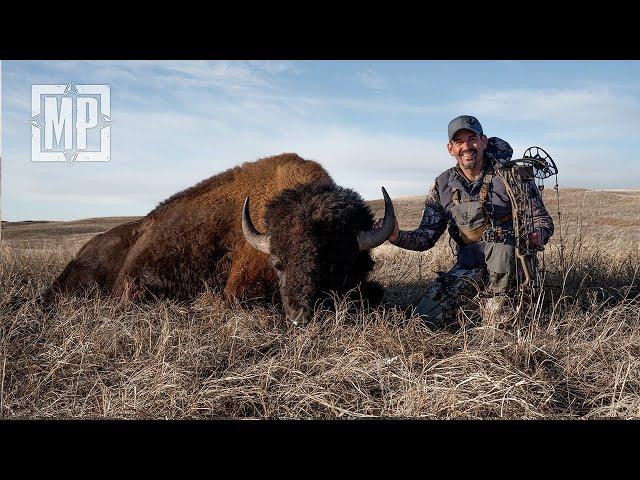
(469, 164)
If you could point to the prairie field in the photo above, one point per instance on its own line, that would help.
(573, 353)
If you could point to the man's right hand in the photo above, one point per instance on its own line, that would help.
(393, 238)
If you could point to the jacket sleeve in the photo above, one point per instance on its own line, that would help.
(432, 225)
(541, 218)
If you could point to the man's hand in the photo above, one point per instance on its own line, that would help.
(393, 238)
(536, 239)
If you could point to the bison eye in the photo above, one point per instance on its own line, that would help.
(277, 264)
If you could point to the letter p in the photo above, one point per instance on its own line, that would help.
(87, 117)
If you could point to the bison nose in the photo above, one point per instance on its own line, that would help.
(298, 317)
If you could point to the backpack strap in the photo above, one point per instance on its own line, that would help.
(455, 196)
(485, 186)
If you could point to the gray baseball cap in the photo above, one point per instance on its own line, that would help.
(464, 122)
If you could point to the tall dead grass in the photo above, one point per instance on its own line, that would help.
(576, 354)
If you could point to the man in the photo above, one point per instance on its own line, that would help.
(470, 199)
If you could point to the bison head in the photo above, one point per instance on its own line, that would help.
(318, 242)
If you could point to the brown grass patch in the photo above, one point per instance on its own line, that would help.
(577, 353)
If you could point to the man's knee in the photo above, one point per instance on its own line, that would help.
(500, 282)
(500, 260)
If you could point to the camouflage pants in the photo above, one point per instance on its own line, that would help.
(448, 292)
(452, 289)
(500, 260)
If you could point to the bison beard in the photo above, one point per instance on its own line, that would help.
(195, 238)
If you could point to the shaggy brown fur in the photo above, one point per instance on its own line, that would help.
(195, 236)
(99, 260)
(313, 230)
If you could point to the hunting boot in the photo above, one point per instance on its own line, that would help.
(430, 312)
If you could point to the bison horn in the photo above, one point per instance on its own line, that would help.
(257, 240)
(375, 237)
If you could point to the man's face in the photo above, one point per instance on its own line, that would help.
(468, 148)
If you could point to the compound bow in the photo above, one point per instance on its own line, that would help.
(519, 176)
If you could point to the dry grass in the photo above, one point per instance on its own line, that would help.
(577, 354)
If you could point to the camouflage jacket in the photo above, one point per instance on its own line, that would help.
(437, 216)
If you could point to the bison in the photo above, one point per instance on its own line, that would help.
(316, 240)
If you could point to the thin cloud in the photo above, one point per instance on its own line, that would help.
(568, 114)
(372, 80)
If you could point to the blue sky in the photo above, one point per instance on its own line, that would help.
(369, 123)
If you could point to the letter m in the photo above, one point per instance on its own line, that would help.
(55, 121)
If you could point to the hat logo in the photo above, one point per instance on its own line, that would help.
(470, 120)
